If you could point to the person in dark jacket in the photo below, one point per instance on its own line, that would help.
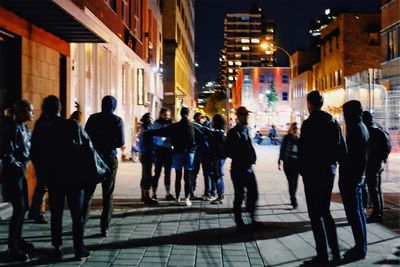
(182, 140)
(377, 156)
(106, 130)
(65, 139)
(163, 155)
(289, 155)
(352, 176)
(15, 157)
(321, 146)
(217, 157)
(202, 158)
(239, 148)
(146, 147)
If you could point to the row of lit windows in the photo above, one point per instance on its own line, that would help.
(334, 79)
(299, 91)
(253, 41)
(183, 46)
(185, 21)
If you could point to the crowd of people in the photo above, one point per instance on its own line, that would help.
(88, 156)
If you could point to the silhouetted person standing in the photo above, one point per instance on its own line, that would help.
(163, 155)
(352, 177)
(183, 143)
(146, 146)
(239, 148)
(15, 156)
(106, 131)
(289, 155)
(379, 149)
(321, 146)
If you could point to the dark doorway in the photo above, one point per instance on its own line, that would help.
(63, 86)
(10, 69)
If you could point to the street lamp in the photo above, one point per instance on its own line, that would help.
(269, 49)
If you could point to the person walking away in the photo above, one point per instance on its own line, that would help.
(379, 150)
(216, 137)
(183, 143)
(239, 148)
(289, 156)
(15, 157)
(163, 155)
(146, 159)
(106, 130)
(352, 177)
(202, 158)
(321, 146)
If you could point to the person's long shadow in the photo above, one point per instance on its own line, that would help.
(215, 236)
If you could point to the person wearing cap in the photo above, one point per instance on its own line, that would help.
(321, 146)
(202, 158)
(352, 176)
(239, 148)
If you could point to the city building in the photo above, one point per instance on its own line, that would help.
(243, 35)
(179, 55)
(349, 45)
(390, 48)
(264, 91)
(301, 83)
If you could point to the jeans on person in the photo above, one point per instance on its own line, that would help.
(217, 176)
(108, 186)
(244, 179)
(374, 181)
(163, 158)
(351, 189)
(290, 167)
(318, 190)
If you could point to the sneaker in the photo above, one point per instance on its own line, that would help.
(150, 201)
(354, 254)
(169, 197)
(188, 203)
(25, 246)
(82, 253)
(56, 254)
(41, 219)
(104, 232)
(17, 255)
(154, 196)
(205, 198)
(177, 202)
(217, 201)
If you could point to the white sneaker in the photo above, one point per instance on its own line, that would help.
(188, 202)
(178, 202)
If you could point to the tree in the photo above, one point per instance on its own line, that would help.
(272, 96)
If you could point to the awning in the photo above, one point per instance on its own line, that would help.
(50, 16)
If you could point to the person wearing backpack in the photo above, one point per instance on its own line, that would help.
(379, 149)
(217, 157)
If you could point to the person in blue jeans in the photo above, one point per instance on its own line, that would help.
(352, 177)
(217, 157)
(183, 142)
(15, 156)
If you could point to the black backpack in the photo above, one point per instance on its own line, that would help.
(386, 142)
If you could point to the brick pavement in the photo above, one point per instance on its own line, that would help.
(204, 235)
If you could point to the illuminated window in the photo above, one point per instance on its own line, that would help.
(230, 78)
(245, 48)
(230, 85)
(238, 55)
(230, 63)
(245, 41)
(255, 41)
(238, 63)
(230, 70)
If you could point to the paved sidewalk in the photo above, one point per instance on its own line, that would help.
(204, 235)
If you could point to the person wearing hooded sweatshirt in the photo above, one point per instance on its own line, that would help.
(106, 131)
(352, 176)
(183, 142)
(321, 146)
(146, 146)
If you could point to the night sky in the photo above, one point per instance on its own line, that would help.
(292, 19)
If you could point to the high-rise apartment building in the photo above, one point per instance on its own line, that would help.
(179, 55)
(243, 35)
